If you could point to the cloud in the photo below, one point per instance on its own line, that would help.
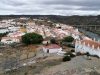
(47, 7)
(13, 2)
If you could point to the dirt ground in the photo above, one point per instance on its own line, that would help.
(54, 66)
(77, 66)
(37, 67)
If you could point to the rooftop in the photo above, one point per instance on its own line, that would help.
(91, 43)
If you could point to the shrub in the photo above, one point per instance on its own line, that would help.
(95, 56)
(72, 50)
(70, 54)
(66, 58)
(87, 54)
(78, 53)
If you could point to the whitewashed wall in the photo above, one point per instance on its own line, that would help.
(56, 50)
(86, 48)
(9, 42)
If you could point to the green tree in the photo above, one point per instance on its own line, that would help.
(32, 38)
(53, 41)
(68, 39)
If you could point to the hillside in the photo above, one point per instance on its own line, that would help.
(72, 20)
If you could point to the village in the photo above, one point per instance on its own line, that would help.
(58, 43)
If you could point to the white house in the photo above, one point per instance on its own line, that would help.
(52, 48)
(90, 46)
(9, 40)
(15, 34)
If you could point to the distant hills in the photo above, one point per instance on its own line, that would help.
(71, 20)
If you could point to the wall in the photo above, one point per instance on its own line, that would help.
(52, 50)
(85, 48)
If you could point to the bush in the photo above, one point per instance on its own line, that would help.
(91, 55)
(72, 50)
(96, 56)
(70, 54)
(70, 45)
(66, 58)
(87, 54)
(78, 54)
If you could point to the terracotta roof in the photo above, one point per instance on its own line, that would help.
(91, 43)
(52, 46)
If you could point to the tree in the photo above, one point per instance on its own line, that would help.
(53, 41)
(68, 39)
(32, 38)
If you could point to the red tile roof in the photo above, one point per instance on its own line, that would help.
(91, 43)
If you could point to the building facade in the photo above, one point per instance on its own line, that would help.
(52, 48)
(90, 46)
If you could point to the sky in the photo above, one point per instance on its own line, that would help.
(50, 7)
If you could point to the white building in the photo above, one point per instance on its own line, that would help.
(90, 46)
(9, 40)
(52, 48)
(13, 29)
(16, 34)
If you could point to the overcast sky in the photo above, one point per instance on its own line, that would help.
(50, 7)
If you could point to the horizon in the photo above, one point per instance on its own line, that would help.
(43, 15)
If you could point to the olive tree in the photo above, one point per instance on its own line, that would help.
(32, 38)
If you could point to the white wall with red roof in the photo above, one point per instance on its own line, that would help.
(90, 46)
(52, 48)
